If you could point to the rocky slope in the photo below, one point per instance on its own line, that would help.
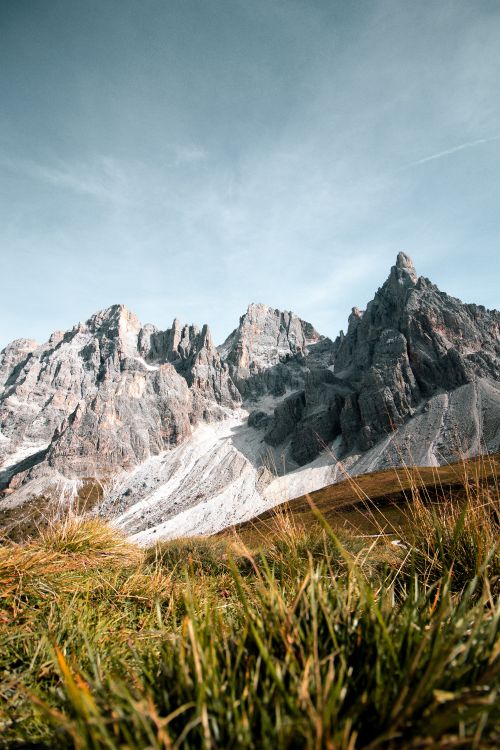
(183, 437)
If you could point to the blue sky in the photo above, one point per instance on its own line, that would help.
(187, 157)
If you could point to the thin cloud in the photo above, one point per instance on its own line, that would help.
(103, 180)
(454, 150)
(189, 154)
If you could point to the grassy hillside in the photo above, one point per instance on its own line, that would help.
(380, 501)
(309, 637)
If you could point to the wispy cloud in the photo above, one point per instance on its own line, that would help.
(454, 150)
(188, 154)
(102, 179)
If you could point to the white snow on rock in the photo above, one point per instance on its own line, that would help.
(142, 361)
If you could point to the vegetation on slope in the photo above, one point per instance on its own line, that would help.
(379, 501)
(309, 639)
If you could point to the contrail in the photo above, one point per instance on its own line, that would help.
(461, 147)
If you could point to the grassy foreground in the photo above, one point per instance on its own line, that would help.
(311, 640)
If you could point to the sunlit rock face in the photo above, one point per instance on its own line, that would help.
(267, 352)
(110, 392)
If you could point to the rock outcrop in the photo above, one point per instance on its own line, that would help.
(194, 356)
(109, 393)
(13, 358)
(412, 342)
(266, 352)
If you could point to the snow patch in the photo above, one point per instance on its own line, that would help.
(143, 362)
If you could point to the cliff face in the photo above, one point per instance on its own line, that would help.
(266, 353)
(415, 378)
(411, 343)
(109, 393)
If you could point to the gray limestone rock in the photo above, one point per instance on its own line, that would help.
(109, 393)
(194, 355)
(13, 358)
(259, 419)
(266, 352)
(286, 416)
(412, 342)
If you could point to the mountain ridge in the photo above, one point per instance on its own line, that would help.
(111, 395)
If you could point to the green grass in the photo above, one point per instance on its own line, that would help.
(308, 640)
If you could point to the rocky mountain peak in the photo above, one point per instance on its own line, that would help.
(256, 310)
(405, 264)
(265, 339)
(110, 392)
(411, 343)
(112, 318)
(190, 349)
(354, 318)
(266, 336)
(286, 321)
(183, 340)
(116, 327)
(206, 337)
(402, 278)
(403, 275)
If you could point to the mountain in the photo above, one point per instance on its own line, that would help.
(267, 352)
(109, 393)
(412, 344)
(173, 435)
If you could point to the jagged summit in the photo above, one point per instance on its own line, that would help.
(405, 263)
(411, 343)
(403, 275)
(265, 339)
(113, 316)
(255, 309)
(109, 392)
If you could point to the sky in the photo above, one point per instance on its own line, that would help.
(188, 157)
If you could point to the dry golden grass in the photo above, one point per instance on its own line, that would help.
(378, 502)
(64, 552)
(295, 636)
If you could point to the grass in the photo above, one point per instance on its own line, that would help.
(378, 501)
(43, 512)
(296, 638)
